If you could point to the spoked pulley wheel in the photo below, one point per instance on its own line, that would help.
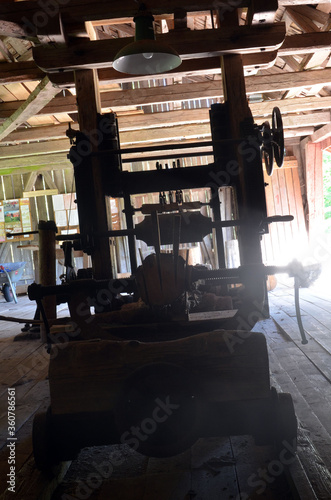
(267, 147)
(278, 136)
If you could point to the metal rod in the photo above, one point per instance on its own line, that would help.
(68, 237)
(164, 147)
(167, 157)
(25, 233)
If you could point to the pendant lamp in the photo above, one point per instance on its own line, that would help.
(145, 56)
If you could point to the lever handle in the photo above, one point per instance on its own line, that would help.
(279, 218)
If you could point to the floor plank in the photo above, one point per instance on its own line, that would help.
(215, 468)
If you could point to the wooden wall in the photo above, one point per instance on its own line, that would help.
(283, 194)
(41, 208)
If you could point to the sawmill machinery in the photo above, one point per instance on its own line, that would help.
(205, 372)
(166, 355)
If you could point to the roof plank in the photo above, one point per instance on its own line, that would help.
(36, 101)
(260, 111)
(84, 10)
(186, 124)
(321, 134)
(183, 92)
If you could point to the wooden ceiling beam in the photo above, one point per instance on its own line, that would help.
(294, 105)
(301, 19)
(295, 44)
(321, 134)
(305, 43)
(20, 72)
(314, 14)
(41, 95)
(28, 13)
(182, 130)
(189, 45)
(30, 181)
(85, 10)
(260, 111)
(183, 92)
(49, 163)
(59, 161)
(15, 29)
(29, 71)
(158, 18)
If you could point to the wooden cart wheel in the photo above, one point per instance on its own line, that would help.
(286, 424)
(43, 449)
(278, 136)
(267, 147)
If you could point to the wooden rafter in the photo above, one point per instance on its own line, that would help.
(140, 135)
(302, 18)
(296, 44)
(20, 72)
(30, 181)
(166, 120)
(83, 10)
(189, 44)
(184, 92)
(58, 161)
(29, 71)
(36, 101)
(321, 134)
(76, 12)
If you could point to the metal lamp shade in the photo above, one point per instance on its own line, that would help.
(145, 56)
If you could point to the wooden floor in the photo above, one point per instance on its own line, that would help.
(213, 469)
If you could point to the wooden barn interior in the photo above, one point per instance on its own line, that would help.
(164, 251)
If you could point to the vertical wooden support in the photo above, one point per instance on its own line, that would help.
(88, 103)
(249, 181)
(246, 155)
(47, 274)
(314, 188)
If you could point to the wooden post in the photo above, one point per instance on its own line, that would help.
(47, 274)
(88, 103)
(249, 181)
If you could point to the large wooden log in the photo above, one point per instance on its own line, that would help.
(87, 376)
